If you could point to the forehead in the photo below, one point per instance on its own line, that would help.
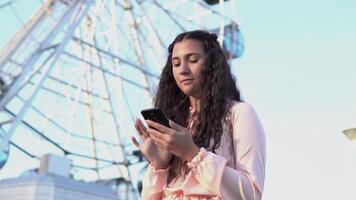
(187, 46)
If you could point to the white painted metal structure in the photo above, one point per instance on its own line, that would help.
(74, 77)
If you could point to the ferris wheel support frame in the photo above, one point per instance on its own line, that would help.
(77, 9)
(97, 59)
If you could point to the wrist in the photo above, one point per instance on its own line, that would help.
(192, 153)
(194, 163)
(157, 165)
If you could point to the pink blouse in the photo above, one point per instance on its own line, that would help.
(235, 171)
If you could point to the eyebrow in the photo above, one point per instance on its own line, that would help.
(187, 55)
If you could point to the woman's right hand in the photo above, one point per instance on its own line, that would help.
(156, 156)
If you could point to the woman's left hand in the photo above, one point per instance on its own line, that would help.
(177, 140)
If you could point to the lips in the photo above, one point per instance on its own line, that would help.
(186, 81)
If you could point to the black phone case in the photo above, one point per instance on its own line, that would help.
(156, 115)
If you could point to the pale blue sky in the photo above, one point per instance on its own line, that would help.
(299, 72)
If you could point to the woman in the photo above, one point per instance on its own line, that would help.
(215, 147)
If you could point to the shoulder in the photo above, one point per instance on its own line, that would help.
(243, 114)
(241, 108)
(245, 121)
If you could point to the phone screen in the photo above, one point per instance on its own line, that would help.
(156, 115)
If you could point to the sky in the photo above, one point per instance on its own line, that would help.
(299, 72)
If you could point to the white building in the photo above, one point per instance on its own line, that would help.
(53, 187)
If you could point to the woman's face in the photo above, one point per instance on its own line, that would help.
(188, 59)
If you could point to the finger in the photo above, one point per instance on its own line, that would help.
(157, 133)
(141, 129)
(139, 122)
(135, 142)
(158, 126)
(159, 142)
(176, 126)
(140, 133)
(162, 140)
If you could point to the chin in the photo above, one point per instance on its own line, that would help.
(187, 90)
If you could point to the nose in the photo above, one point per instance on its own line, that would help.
(184, 68)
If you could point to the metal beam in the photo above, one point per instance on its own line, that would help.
(79, 10)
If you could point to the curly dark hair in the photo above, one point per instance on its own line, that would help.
(218, 89)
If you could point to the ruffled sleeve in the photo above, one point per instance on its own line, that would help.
(153, 183)
(208, 168)
(245, 181)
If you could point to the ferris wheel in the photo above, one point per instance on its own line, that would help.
(76, 73)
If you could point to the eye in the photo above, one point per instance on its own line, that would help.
(175, 64)
(193, 59)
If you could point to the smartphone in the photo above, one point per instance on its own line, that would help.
(156, 115)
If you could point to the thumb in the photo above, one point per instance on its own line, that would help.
(176, 126)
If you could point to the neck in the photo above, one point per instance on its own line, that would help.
(194, 103)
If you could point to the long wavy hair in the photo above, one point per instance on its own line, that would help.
(218, 89)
